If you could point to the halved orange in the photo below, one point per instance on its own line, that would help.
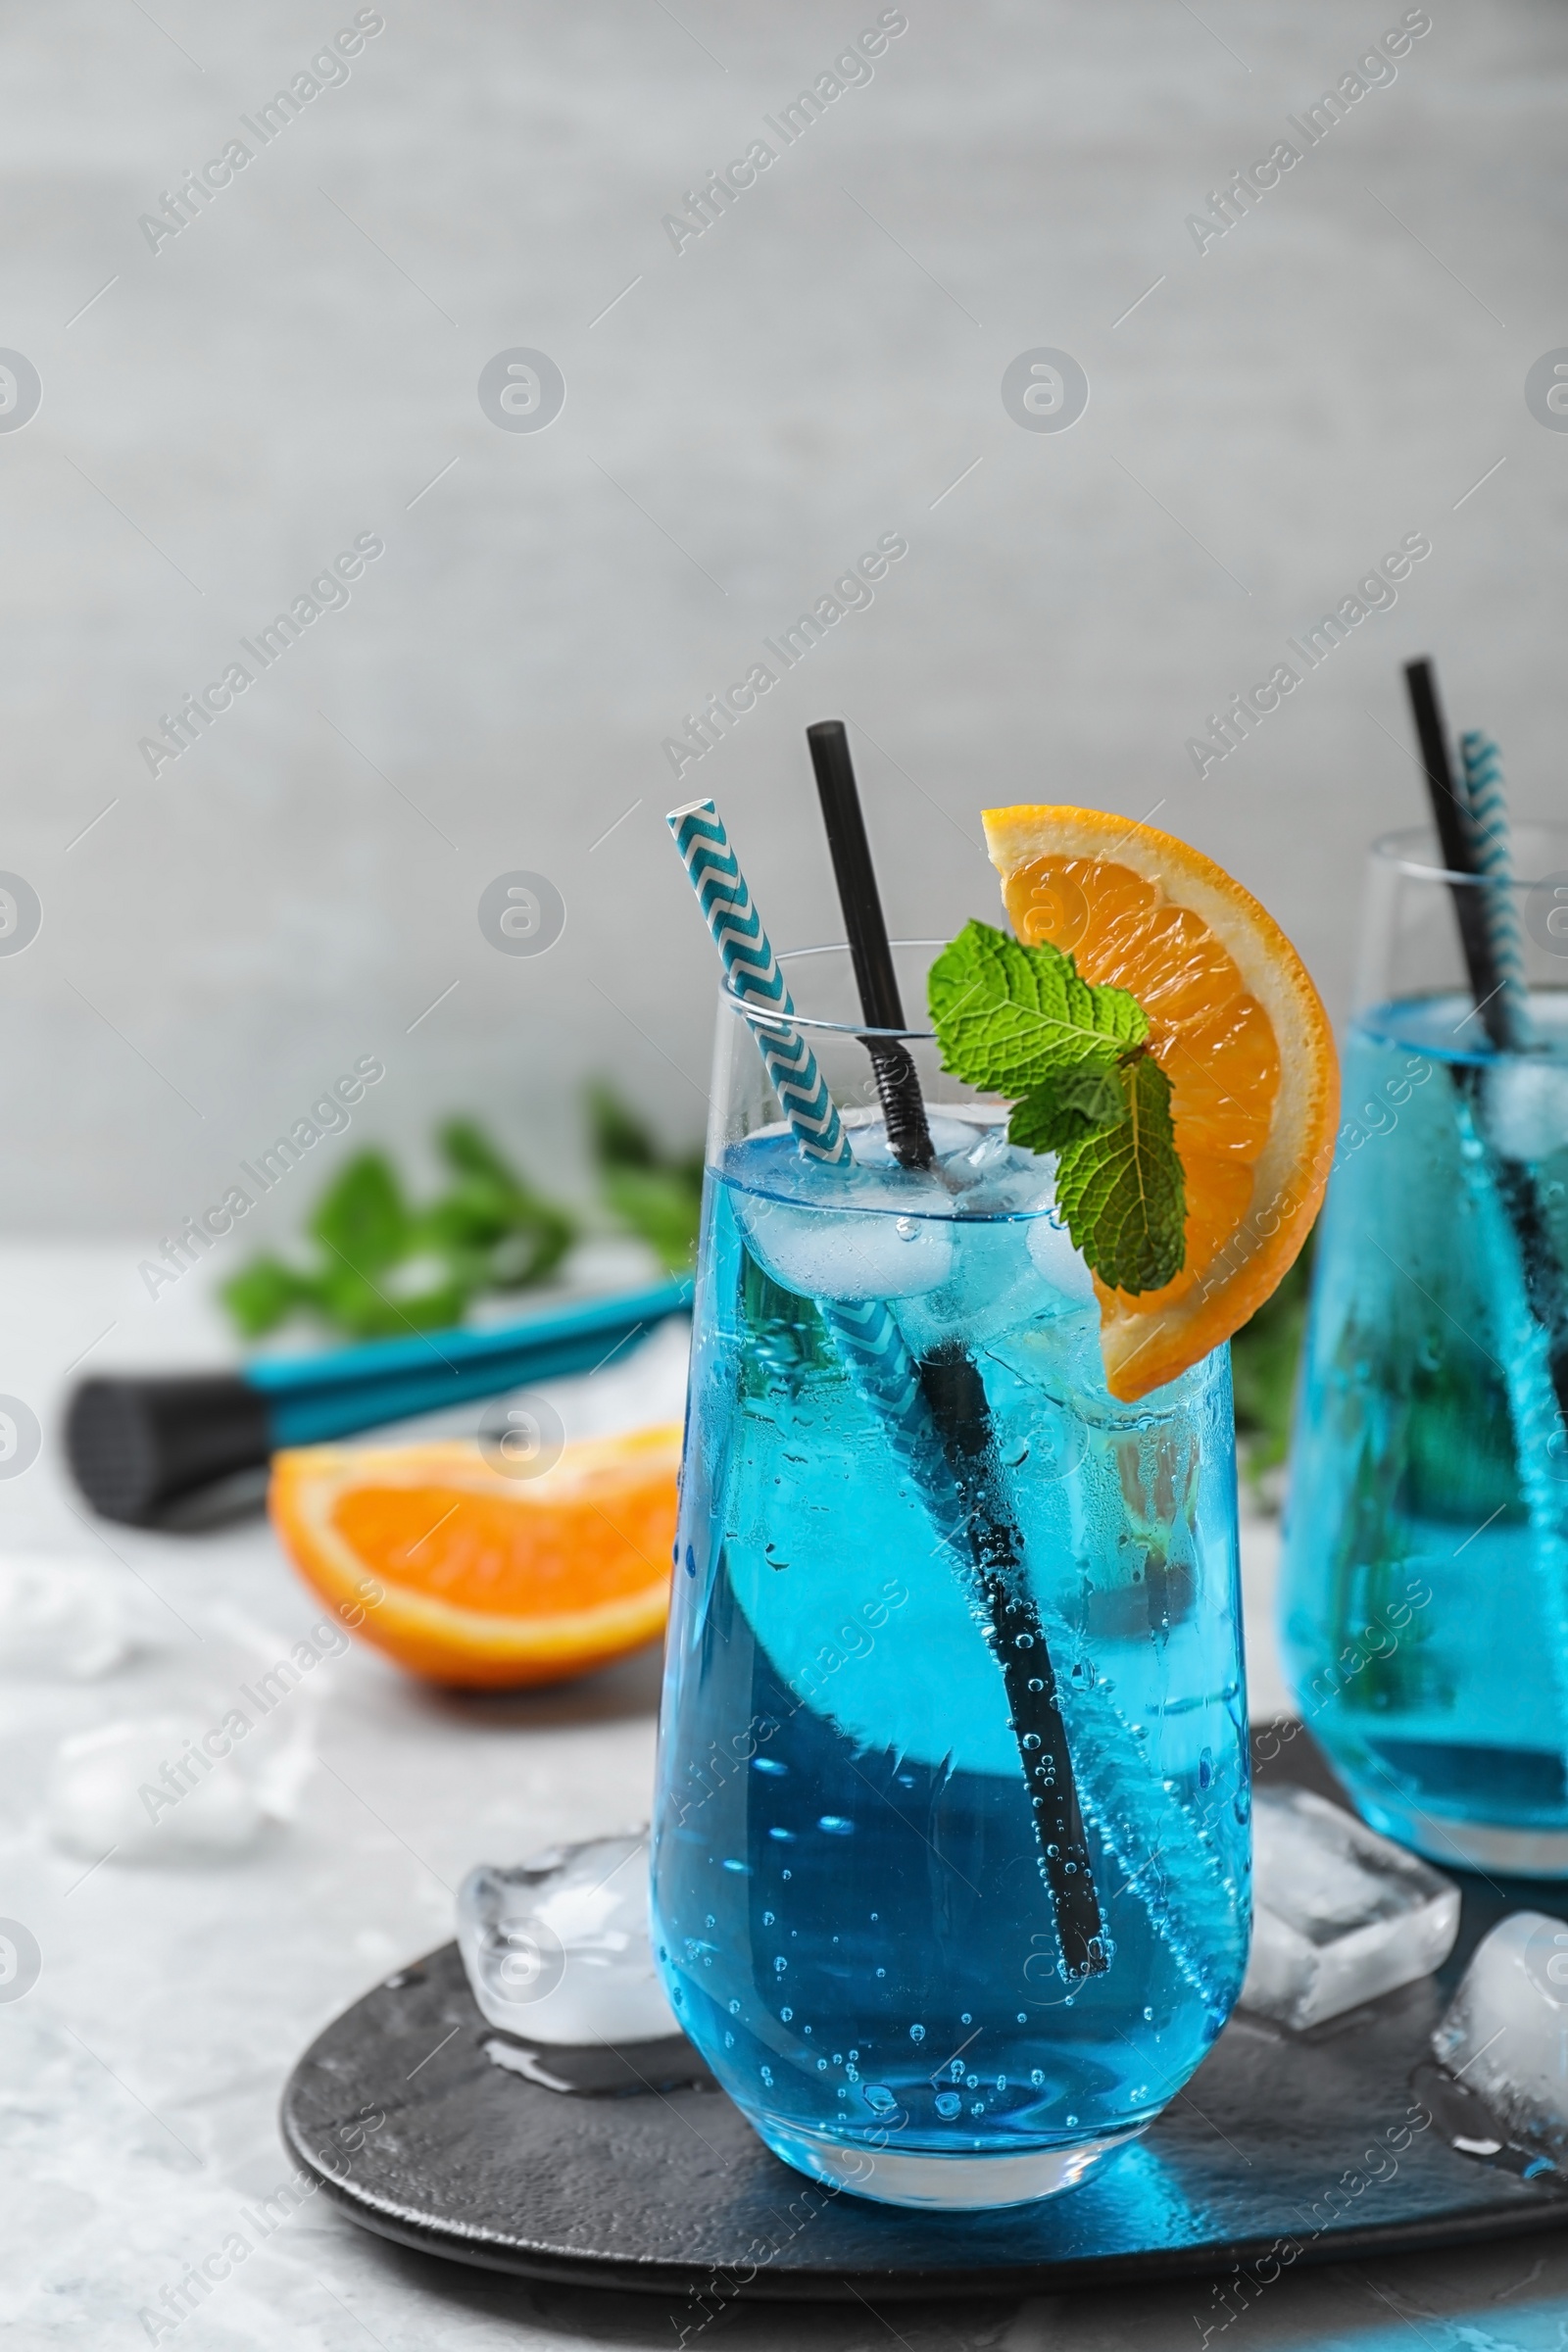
(1236, 1027)
(481, 1580)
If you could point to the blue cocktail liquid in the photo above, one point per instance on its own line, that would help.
(849, 1902)
(1425, 1590)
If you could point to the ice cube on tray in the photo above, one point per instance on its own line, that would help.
(1505, 2033)
(557, 1949)
(1339, 1915)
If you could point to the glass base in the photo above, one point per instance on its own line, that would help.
(954, 2184)
(1469, 1844)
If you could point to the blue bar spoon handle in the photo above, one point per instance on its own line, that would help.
(141, 1445)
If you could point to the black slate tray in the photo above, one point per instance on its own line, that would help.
(1282, 2149)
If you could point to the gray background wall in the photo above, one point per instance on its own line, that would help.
(817, 370)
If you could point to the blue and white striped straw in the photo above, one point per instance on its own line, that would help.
(867, 1337)
(1486, 810)
(753, 972)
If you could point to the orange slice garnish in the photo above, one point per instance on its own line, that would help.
(1236, 1027)
(481, 1580)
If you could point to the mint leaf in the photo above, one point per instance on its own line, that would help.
(1007, 1016)
(1121, 1189)
(1065, 1107)
(661, 1204)
(362, 1217)
(466, 1146)
(261, 1294)
(1020, 1021)
(620, 1138)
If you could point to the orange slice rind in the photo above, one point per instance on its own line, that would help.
(1237, 1026)
(475, 1578)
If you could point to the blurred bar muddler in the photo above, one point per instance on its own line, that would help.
(140, 1447)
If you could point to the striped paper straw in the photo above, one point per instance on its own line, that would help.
(753, 972)
(1485, 803)
(868, 1339)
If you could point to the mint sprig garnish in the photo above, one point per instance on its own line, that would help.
(1020, 1022)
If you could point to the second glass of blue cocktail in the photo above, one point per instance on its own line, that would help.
(854, 1908)
(1424, 1585)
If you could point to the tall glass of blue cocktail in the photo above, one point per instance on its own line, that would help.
(862, 1910)
(1425, 1589)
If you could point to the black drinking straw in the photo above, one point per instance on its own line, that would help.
(955, 1391)
(880, 1003)
(1546, 1288)
(1448, 813)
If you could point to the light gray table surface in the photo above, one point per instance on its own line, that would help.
(140, 2076)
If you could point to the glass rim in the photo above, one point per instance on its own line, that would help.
(1396, 850)
(762, 1016)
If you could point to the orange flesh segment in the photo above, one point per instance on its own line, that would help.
(503, 1559)
(480, 1579)
(1254, 1138)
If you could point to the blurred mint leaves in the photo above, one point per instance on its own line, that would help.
(658, 1196)
(1020, 1022)
(380, 1265)
(1264, 1357)
(384, 1266)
